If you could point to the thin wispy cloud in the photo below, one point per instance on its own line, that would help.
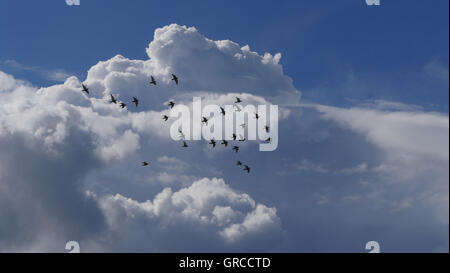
(57, 75)
(437, 69)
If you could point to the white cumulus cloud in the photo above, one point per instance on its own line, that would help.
(54, 138)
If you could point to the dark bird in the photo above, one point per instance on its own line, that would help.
(266, 128)
(224, 142)
(113, 100)
(241, 138)
(205, 120)
(145, 163)
(222, 111)
(236, 148)
(239, 163)
(185, 144)
(175, 78)
(152, 80)
(85, 89)
(212, 142)
(238, 100)
(136, 101)
(122, 105)
(182, 136)
(247, 168)
(256, 116)
(269, 139)
(171, 104)
(165, 117)
(234, 136)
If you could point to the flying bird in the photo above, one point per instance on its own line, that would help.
(171, 104)
(185, 144)
(113, 100)
(241, 138)
(145, 163)
(238, 100)
(224, 142)
(212, 142)
(243, 125)
(165, 117)
(247, 168)
(256, 116)
(269, 139)
(122, 105)
(239, 163)
(136, 101)
(222, 110)
(175, 78)
(238, 109)
(182, 136)
(266, 128)
(234, 136)
(152, 80)
(85, 89)
(205, 120)
(236, 148)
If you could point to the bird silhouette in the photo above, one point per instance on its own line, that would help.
(113, 100)
(236, 148)
(247, 168)
(205, 120)
(182, 136)
(85, 89)
(241, 138)
(222, 110)
(136, 101)
(165, 117)
(152, 80)
(234, 136)
(185, 144)
(123, 105)
(171, 104)
(238, 100)
(212, 142)
(238, 163)
(256, 116)
(224, 142)
(145, 163)
(266, 128)
(269, 139)
(175, 78)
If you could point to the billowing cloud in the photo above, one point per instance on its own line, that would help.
(70, 163)
(208, 204)
(57, 142)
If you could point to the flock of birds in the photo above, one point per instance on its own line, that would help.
(171, 104)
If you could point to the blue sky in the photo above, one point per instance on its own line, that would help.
(386, 48)
(363, 155)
